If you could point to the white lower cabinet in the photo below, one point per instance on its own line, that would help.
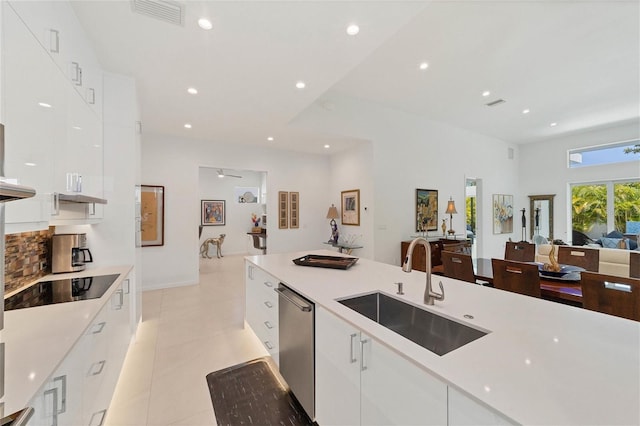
(80, 390)
(361, 381)
(465, 411)
(262, 308)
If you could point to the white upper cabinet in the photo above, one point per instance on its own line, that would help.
(57, 29)
(53, 115)
(34, 111)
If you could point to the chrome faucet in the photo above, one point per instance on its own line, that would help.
(429, 295)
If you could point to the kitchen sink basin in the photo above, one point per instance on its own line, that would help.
(433, 332)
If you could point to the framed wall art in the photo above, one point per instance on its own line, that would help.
(294, 210)
(152, 215)
(212, 212)
(426, 210)
(283, 209)
(351, 207)
(502, 214)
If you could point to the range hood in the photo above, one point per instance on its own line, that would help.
(81, 199)
(11, 191)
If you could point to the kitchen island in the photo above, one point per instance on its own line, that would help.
(40, 340)
(540, 363)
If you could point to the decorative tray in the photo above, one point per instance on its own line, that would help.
(333, 262)
(566, 273)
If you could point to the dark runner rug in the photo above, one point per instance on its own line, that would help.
(251, 394)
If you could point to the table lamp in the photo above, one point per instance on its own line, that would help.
(451, 210)
(333, 215)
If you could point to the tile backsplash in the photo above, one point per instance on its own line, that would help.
(24, 255)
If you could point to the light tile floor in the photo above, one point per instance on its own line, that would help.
(185, 334)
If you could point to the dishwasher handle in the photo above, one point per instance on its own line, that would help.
(303, 307)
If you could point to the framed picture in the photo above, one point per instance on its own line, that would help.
(283, 209)
(152, 215)
(294, 210)
(502, 214)
(426, 210)
(351, 207)
(213, 212)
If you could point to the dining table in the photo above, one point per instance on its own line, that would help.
(560, 290)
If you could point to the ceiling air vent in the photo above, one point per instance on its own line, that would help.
(164, 10)
(496, 102)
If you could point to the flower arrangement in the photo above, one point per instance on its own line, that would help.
(256, 220)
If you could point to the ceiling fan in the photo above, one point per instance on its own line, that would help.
(221, 174)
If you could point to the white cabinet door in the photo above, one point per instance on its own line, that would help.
(262, 308)
(97, 367)
(396, 392)
(337, 370)
(463, 411)
(35, 111)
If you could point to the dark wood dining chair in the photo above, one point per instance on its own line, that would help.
(458, 266)
(520, 252)
(257, 243)
(611, 295)
(517, 277)
(587, 258)
(634, 264)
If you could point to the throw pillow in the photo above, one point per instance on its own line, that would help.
(615, 234)
(613, 242)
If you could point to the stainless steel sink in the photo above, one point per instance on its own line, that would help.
(433, 332)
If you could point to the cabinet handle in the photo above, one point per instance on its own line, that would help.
(101, 364)
(268, 345)
(100, 327)
(55, 202)
(102, 416)
(268, 325)
(268, 304)
(91, 96)
(268, 284)
(127, 281)
(54, 41)
(75, 72)
(250, 272)
(352, 357)
(363, 366)
(63, 386)
(92, 212)
(120, 304)
(54, 406)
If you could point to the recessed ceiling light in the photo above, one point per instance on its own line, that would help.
(97, 146)
(76, 127)
(187, 126)
(30, 164)
(423, 66)
(486, 93)
(301, 85)
(270, 138)
(353, 29)
(327, 146)
(553, 124)
(44, 105)
(525, 111)
(192, 90)
(205, 24)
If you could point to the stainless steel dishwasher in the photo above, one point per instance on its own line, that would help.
(297, 346)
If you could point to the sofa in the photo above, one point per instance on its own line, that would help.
(612, 261)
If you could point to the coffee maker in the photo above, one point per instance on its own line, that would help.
(69, 253)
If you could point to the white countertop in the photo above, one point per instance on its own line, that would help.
(542, 362)
(38, 339)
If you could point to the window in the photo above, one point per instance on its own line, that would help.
(605, 154)
(600, 208)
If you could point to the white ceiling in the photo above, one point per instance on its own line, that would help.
(575, 63)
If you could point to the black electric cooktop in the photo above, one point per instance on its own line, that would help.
(60, 291)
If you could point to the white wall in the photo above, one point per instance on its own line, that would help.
(353, 169)
(174, 163)
(543, 170)
(412, 152)
(238, 215)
